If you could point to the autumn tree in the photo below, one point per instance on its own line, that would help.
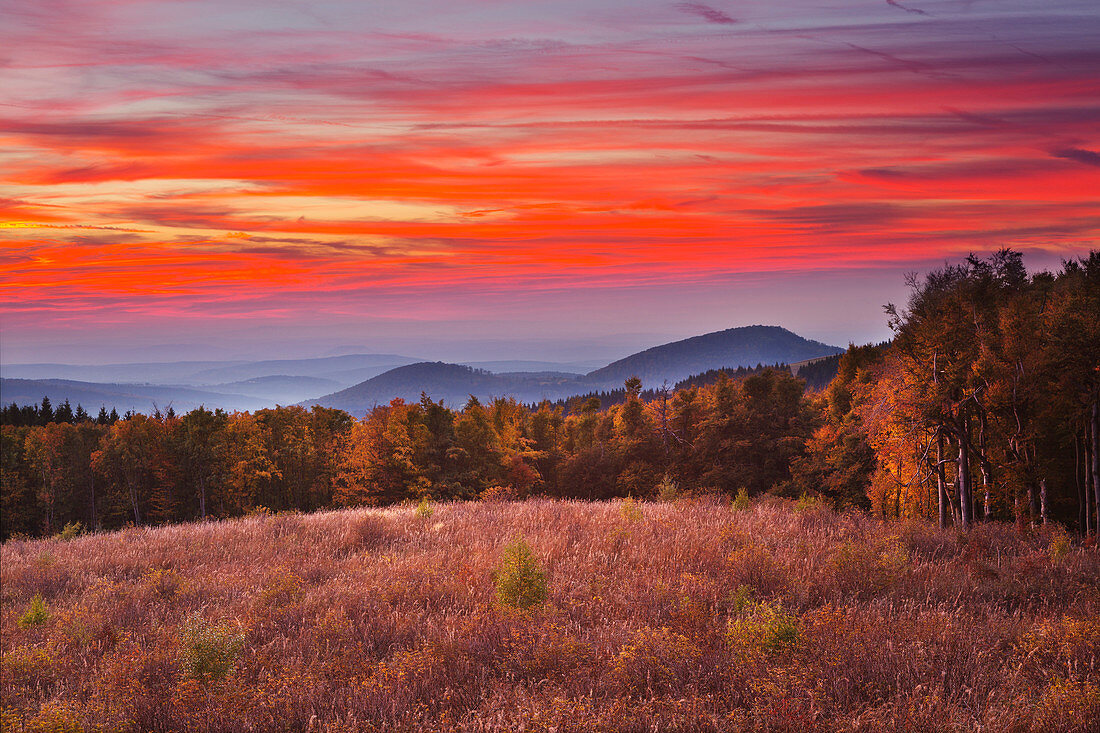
(127, 462)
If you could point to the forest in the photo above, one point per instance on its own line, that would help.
(983, 406)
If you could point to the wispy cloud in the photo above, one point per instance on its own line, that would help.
(706, 12)
(1088, 157)
(906, 8)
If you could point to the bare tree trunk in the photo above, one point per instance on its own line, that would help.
(941, 485)
(134, 503)
(91, 486)
(966, 506)
(1096, 463)
(1043, 499)
(1082, 503)
(664, 418)
(1032, 504)
(983, 463)
(987, 504)
(46, 492)
(202, 498)
(1087, 488)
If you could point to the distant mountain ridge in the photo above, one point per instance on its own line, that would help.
(746, 346)
(122, 397)
(734, 347)
(358, 382)
(346, 369)
(452, 383)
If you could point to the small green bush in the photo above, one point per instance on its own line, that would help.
(630, 510)
(761, 627)
(782, 632)
(163, 582)
(520, 581)
(1060, 545)
(71, 530)
(741, 502)
(742, 599)
(209, 652)
(424, 510)
(668, 489)
(807, 502)
(37, 613)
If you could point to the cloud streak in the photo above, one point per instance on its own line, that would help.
(1088, 157)
(706, 12)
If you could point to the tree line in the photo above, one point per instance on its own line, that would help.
(983, 406)
(44, 414)
(164, 468)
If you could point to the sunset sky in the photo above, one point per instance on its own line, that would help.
(510, 179)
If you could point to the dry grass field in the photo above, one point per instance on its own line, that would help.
(686, 616)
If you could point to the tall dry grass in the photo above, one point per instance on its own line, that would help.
(686, 616)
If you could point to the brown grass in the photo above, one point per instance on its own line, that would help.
(684, 616)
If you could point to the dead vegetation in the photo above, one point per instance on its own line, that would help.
(683, 616)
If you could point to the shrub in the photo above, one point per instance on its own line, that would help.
(28, 667)
(209, 652)
(281, 589)
(761, 627)
(539, 652)
(1060, 545)
(859, 569)
(781, 631)
(520, 581)
(1068, 706)
(630, 510)
(52, 718)
(499, 494)
(668, 489)
(807, 503)
(37, 613)
(163, 583)
(741, 502)
(71, 531)
(755, 566)
(424, 510)
(742, 599)
(655, 659)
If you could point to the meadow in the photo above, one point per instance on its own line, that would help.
(688, 615)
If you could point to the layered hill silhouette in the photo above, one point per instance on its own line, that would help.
(345, 370)
(454, 383)
(451, 383)
(358, 382)
(230, 385)
(122, 397)
(734, 347)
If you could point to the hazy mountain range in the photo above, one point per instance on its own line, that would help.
(358, 382)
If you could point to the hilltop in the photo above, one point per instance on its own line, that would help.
(746, 346)
(452, 383)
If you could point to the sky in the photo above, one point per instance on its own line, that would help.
(193, 179)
